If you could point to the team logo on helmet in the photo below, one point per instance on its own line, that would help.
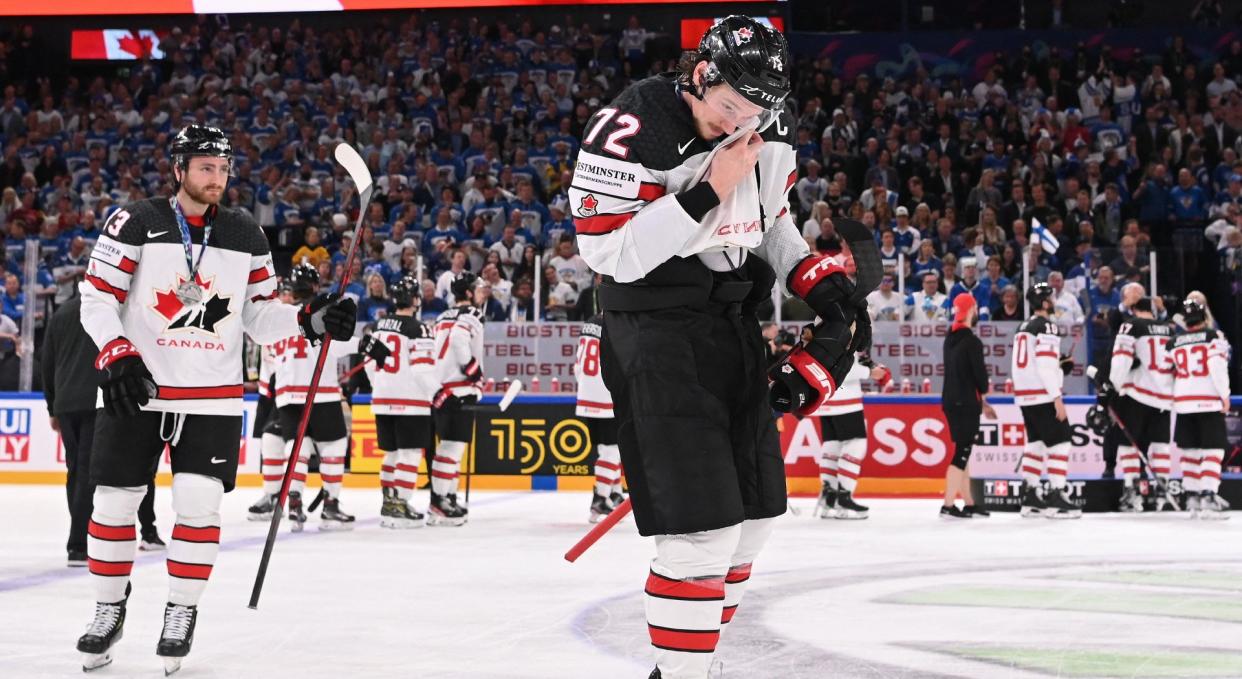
(203, 316)
(743, 35)
(777, 62)
(587, 207)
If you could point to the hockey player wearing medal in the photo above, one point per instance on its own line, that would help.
(172, 285)
(679, 200)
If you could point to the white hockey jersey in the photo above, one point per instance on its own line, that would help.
(1036, 364)
(406, 382)
(267, 368)
(1141, 367)
(194, 352)
(458, 343)
(1200, 371)
(848, 397)
(295, 365)
(593, 397)
(641, 152)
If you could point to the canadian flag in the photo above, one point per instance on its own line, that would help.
(116, 44)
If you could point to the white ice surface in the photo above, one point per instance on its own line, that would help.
(494, 599)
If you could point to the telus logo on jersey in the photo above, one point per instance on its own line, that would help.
(202, 317)
(14, 434)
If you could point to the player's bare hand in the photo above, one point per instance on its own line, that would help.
(1060, 409)
(1226, 406)
(734, 162)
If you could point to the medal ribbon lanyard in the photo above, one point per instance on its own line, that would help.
(186, 241)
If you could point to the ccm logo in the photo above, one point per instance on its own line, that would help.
(817, 371)
(742, 227)
(823, 266)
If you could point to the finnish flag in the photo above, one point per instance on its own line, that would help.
(1047, 242)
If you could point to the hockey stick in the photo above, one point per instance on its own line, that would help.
(505, 401)
(1112, 413)
(356, 167)
(598, 530)
(353, 371)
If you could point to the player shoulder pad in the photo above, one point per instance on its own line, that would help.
(235, 229)
(646, 124)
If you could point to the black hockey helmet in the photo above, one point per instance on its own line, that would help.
(303, 280)
(463, 286)
(1097, 419)
(1193, 313)
(750, 56)
(405, 292)
(1038, 294)
(199, 140)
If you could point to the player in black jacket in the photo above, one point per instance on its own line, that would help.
(962, 398)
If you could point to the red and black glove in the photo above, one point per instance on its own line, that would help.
(328, 314)
(822, 284)
(127, 384)
(444, 398)
(473, 370)
(810, 373)
(375, 349)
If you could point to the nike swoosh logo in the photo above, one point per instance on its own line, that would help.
(216, 460)
(681, 148)
(155, 234)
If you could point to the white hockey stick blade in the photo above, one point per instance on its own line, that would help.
(353, 163)
(511, 393)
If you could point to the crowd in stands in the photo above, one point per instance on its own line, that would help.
(1071, 166)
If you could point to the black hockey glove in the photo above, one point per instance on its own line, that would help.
(1067, 365)
(861, 340)
(328, 314)
(473, 370)
(127, 385)
(375, 349)
(445, 399)
(821, 283)
(810, 373)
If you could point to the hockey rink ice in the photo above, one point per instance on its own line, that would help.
(902, 594)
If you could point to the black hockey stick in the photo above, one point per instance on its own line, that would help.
(358, 172)
(1112, 413)
(511, 393)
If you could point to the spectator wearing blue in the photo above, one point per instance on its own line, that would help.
(1188, 203)
(485, 300)
(522, 169)
(445, 230)
(375, 305)
(1102, 298)
(971, 284)
(355, 289)
(561, 224)
(1230, 196)
(13, 304)
(430, 306)
(493, 208)
(449, 167)
(946, 240)
(994, 279)
(905, 236)
(1153, 196)
(448, 204)
(926, 260)
(535, 215)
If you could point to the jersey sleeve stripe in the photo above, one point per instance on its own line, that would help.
(793, 178)
(602, 224)
(594, 404)
(261, 298)
(127, 265)
(103, 286)
(649, 191)
(1121, 352)
(417, 403)
(259, 275)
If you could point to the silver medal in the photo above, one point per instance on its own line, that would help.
(189, 293)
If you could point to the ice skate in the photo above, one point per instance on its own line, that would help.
(400, 515)
(1032, 502)
(76, 559)
(177, 636)
(151, 542)
(444, 511)
(1212, 507)
(1166, 500)
(826, 506)
(976, 512)
(600, 507)
(1192, 505)
(332, 518)
(848, 509)
(262, 510)
(952, 512)
(1060, 507)
(1131, 500)
(615, 499)
(389, 511)
(297, 517)
(102, 634)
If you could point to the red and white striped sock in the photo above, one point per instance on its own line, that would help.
(754, 536)
(1161, 460)
(1191, 458)
(607, 469)
(272, 466)
(829, 452)
(297, 482)
(1057, 464)
(1128, 463)
(112, 540)
(616, 487)
(1032, 462)
(405, 476)
(196, 537)
(444, 466)
(388, 469)
(850, 465)
(332, 465)
(1209, 470)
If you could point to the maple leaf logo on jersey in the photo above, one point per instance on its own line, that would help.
(588, 206)
(204, 316)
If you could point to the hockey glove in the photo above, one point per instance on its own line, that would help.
(127, 385)
(1067, 365)
(861, 340)
(444, 399)
(375, 349)
(472, 370)
(821, 283)
(328, 314)
(810, 373)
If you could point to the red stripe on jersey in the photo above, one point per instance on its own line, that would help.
(112, 533)
(1051, 354)
(649, 191)
(423, 361)
(304, 390)
(1148, 392)
(1029, 392)
(702, 589)
(739, 573)
(109, 568)
(196, 534)
(1123, 352)
(1196, 398)
(179, 393)
(791, 180)
(594, 404)
(104, 287)
(127, 265)
(726, 615)
(691, 641)
(401, 402)
(601, 224)
(189, 571)
(846, 402)
(784, 211)
(263, 298)
(258, 276)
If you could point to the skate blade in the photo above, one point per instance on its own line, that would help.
(596, 517)
(94, 661)
(147, 547)
(1213, 516)
(296, 526)
(400, 524)
(850, 515)
(171, 665)
(433, 520)
(259, 517)
(1031, 512)
(335, 526)
(1056, 516)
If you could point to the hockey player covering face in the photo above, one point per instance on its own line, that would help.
(679, 201)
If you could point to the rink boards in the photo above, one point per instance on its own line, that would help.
(538, 444)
